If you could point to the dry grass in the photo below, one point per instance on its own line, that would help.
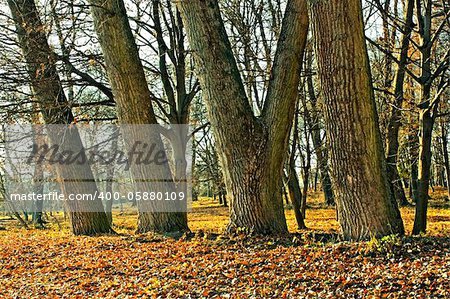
(209, 216)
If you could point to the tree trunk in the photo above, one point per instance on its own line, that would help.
(394, 122)
(427, 118)
(364, 202)
(306, 171)
(48, 90)
(316, 178)
(295, 195)
(444, 136)
(321, 153)
(109, 190)
(252, 150)
(38, 177)
(425, 137)
(110, 179)
(109, 203)
(129, 86)
(224, 198)
(285, 194)
(426, 122)
(413, 141)
(295, 192)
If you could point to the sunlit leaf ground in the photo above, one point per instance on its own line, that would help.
(308, 264)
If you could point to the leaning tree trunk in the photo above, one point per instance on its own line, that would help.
(127, 78)
(295, 196)
(48, 90)
(252, 150)
(293, 184)
(364, 203)
(394, 122)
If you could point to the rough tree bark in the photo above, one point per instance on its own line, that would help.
(364, 203)
(48, 90)
(134, 106)
(252, 148)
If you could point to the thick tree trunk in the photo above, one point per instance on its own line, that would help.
(129, 86)
(47, 87)
(252, 149)
(364, 203)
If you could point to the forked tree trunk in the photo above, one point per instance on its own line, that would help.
(364, 203)
(252, 149)
(48, 90)
(133, 97)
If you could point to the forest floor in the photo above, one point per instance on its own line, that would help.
(311, 263)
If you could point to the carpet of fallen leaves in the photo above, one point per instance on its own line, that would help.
(309, 264)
